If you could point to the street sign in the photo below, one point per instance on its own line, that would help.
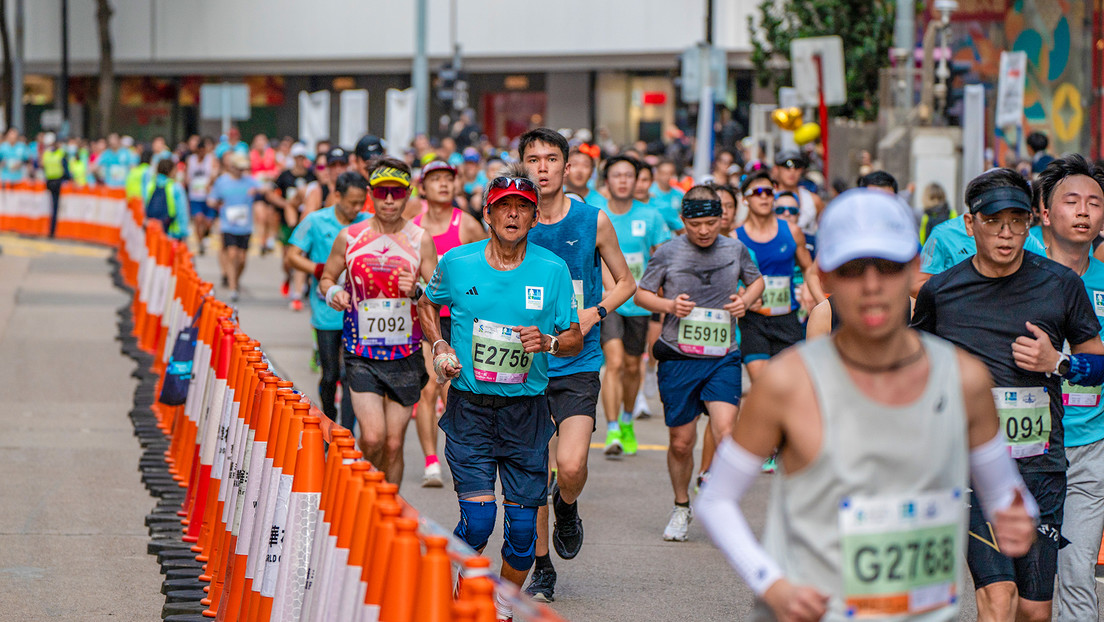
(1010, 88)
(803, 53)
(224, 101)
(691, 61)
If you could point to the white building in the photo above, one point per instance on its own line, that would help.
(571, 63)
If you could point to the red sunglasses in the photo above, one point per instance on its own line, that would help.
(395, 192)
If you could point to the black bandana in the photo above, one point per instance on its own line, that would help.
(701, 208)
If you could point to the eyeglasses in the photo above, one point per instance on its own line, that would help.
(502, 183)
(319, 167)
(792, 210)
(857, 267)
(395, 192)
(993, 225)
(759, 191)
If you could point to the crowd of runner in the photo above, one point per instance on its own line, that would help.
(502, 295)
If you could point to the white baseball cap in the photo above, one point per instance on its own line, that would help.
(299, 149)
(864, 223)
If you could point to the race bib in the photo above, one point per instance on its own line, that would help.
(639, 228)
(705, 331)
(497, 354)
(636, 264)
(1077, 395)
(900, 552)
(198, 186)
(577, 285)
(236, 215)
(1024, 419)
(385, 322)
(117, 172)
(776, 295)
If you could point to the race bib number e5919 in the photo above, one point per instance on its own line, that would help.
(705, 331)
(900, 552)
(497, 354)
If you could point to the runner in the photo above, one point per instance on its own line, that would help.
(114, 163)
(14, 156)
(624, 332)
(327, 168)
(309, 248)
(992, 306)
(667, 197)
(232, 195)
(201, 167)
(450, 227)
(164, 201)
(878, 180)
(583, 236)
(287, 199)
(832, 527)
(497, 417)
(778, 246)
(789, 168)
(1072, 214)
(580, 169)
(384, 256)
(694, 280)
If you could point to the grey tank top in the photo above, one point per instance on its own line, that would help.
(878, 519)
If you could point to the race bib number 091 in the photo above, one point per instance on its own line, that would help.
(1024, 419)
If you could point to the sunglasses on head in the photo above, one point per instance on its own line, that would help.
(792, 210)
(502, 183)
(857, 267)
(759, 191)
(395, 192)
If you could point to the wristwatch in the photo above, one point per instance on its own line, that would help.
(1063, 366)
(601, 312)
(553, 347)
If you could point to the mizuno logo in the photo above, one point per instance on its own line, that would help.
(472, 292)
(571, 242)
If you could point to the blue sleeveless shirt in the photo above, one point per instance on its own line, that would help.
(776, 260)
(574, 239)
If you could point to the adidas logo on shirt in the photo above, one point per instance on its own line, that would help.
(472, 292)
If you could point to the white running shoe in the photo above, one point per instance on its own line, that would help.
(640, 407)
(432, 477)
(678, 525)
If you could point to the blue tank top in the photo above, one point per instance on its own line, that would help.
(574, 239)
(776, 260)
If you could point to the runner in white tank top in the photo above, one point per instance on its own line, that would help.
(878, 430)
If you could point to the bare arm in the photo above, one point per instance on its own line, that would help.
(981, 411)
(296, 259)
(820, 321)
(313, 202)
(335, 265)
(808, 268)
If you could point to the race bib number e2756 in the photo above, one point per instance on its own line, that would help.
(497, 354)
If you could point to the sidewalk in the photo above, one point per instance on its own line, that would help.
(71, 519)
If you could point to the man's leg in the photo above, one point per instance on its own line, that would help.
(425, 420)
(54, 187)
(996, 602)
(397, 418)
(235, 257)
(680, 459)
(1082, 524)
(329, 358)
(630, 379)
(368, 408)
(612, 391)
(993, 573)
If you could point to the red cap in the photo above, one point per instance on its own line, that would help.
(496, 193)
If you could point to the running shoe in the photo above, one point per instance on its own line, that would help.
(567, 530)
(285, 289)
(296, 305)
(432, 477)
(543, 584)
(640, 407)
(234, 296)
(678, 525)
(613, 444)
(651, 385)
(628, 438)
(315, 366)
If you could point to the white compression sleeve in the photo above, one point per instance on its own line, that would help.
(996, 478)
(733, 471)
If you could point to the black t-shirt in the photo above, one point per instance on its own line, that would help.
(289, 184)
(984, 316)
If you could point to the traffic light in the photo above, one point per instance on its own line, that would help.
(452, 88)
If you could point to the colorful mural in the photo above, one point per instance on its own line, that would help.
(1057, 37)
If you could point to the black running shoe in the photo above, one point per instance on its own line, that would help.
(543, 584)
(567, 531)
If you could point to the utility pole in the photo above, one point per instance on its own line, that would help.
(703, 147)
(63, 89)
(17, 71)
(419, 78)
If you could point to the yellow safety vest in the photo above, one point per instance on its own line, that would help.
(78, 168)
(170, 199)
(53, 163)
(924, 224)
(134, 181)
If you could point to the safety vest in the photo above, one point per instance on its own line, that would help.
(78, 168)
(171, 226)
(924, 223)
(53, 163)
(134, 181)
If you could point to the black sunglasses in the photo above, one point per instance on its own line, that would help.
(857, 267)
(787, 209)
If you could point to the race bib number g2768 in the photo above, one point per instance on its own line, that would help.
(705, 331)
(497, 354)
(384, 322)
(1024, 419)
(900, 552)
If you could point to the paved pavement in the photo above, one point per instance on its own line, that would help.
(74, 543)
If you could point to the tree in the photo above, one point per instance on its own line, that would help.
(867, 31)
(8, 99)
(107, 66)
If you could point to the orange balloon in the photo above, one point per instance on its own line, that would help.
(795, 118)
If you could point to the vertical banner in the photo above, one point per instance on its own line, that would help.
(353, 116)
(314, 117)
(399, 129)
(1010, 89)
(973, 134)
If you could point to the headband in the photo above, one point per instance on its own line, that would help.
(997, 199)
(388, 173)
(701, 208)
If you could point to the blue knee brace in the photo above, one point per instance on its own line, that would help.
(477, 520)
(519, 535)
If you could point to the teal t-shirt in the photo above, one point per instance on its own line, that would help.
(486, 304)
(1037, 233)
(13, 160)
(595, 199)
(315, 236)
(115, 165)
(948, 244)
(639, 230)
(1084, 419)
(669, 205)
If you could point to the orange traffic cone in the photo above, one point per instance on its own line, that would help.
(482, 596)
(434, 596)
(463, 611)
(381, 551)
(401, 578)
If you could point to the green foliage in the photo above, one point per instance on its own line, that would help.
(866, 27)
